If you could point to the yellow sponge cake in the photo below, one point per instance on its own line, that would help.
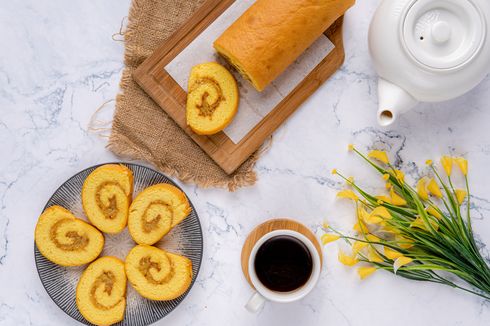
(66, 240)
(101, 291)
(106, 196)
(157, 274)
(155, 211)
(212, 99)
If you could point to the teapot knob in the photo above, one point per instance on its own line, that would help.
(441, 32)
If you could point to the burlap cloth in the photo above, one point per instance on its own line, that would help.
(141, 129)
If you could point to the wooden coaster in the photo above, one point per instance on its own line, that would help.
(271, 225)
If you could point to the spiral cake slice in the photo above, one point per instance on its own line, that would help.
(155, 211)
(157, 274)
(101, 291)
(106, 196)
(66, 240)
(212, 99)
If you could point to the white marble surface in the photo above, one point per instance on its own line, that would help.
(58, 63)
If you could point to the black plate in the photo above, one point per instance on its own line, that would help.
(61, 282)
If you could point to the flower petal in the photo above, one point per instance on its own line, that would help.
(380, 156)
(365, 271)
(358, 246)
(346, 259)
(432, 211)
(384, 199)
(434, 189)
(396, 199)
(334, 171)
(326, 225)
(400, 262)
(372, 238)
(392, 254)
(447, 164)
(400, 176)
(419, 223)
(350, 147)
(386, 176)
(373, 255)
(360, 227)
(329, 237)
(404, 243)
(462, 164)
(382, 212)
(348, 194)
(421, 189)
(461, 195)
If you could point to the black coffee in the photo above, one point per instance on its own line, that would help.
(283, 263)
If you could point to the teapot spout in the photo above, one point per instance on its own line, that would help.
(392, 101)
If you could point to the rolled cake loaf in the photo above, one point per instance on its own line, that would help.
(106, 196)
(157, 274)
(101, 291)
(271, 34)
(66, 240)
(155, 211)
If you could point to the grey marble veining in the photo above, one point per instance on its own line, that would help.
(58, 64)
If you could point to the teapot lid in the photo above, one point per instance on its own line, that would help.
(443, 34)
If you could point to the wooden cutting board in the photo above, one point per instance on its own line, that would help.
(163, 89)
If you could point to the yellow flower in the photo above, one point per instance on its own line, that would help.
(350, 147)
(346, 259)
(334, 171)
(396, 199)
(404, 243)
(386, 176)
(350, 180)
(461, 195)
(373, 255)
(360, 227)
(358, 246)
(362, 214)
(421, 189)
(419, 223)
(383, 199)
(432, 211)
(372, 238)
(380, 156)
(348, 194)
(382, 212)
(373, 219)
(391, 254)
(365, 271)
(327, 238)
(400, 176)
(447, 164)
(326, 225)
(433, 188)
(400, 262)
(429, 162)
(462, 164)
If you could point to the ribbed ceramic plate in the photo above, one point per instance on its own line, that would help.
(60, 282)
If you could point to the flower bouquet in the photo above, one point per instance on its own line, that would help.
(422, 233)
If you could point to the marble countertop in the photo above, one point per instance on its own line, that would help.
(58, 63)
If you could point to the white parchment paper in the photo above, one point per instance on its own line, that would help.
(254, 105)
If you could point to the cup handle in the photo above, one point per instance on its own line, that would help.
(255, 303)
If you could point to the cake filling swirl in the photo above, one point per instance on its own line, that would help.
(106, 198)
(77, 241)
(207, 107)
(149, 222)
(146, 265)
(106, 280)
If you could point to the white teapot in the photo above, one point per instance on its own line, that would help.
(428, 50)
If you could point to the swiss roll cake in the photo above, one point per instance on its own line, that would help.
(271, 34)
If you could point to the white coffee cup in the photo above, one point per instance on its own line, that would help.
(264, 294)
